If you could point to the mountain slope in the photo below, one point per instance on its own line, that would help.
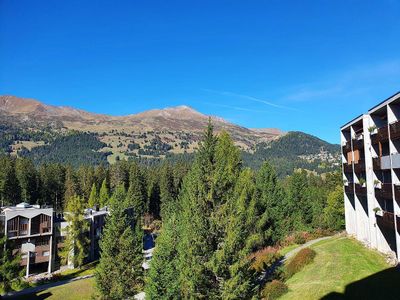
(47, 133)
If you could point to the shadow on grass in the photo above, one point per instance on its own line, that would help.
(382, 285)
(34, 296)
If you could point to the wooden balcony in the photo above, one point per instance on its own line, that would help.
(386, 220)
(358, 142)
(385, 192)
(349, 189)
(359, 166)
(395, 130)
(361, 190)
(346, 147)
(347, 168)
(381, 136)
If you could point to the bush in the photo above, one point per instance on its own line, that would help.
(303, 258)
(274, 289)
(264, 258)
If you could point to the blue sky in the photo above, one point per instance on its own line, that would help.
(296, 65)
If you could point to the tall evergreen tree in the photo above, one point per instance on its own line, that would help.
(27, 178)
(119, 274)
(76, 244)
(162, 281)
(137, 195)
(94, 196)
(167, 190)
(71, 185)
(104, 194)
(9, 188)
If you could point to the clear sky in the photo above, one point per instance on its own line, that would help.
(296, 65)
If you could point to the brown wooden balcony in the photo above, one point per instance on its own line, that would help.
(384, 192)
(381, 135)
(346, 147)
(361, 190)
(359, 166)
(376, 162)
(386, 220)
(349, 189)
(347, 168)
(395, 130)
(358, 142)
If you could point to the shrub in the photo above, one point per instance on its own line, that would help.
(274, 289)
(301, 259)
(264, 258)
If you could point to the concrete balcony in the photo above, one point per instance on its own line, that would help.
(395, 130)
(385, 192)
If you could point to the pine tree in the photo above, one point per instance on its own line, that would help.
(137, 195)
(9, 188)
(119, 274)
(167, 190)
(104, 194)
(27, 178)
(232, 260)
(71, 186)
(270, 211)
(10, 269)
(75, 248)
(162, 281)
(94, 197)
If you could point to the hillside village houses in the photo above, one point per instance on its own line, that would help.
(38, 234)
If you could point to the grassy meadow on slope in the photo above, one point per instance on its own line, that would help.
(338, 263)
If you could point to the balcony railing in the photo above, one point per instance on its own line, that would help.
(384, 192)
(381, 163)
(349, 188)
(346, 147)
(348, 168)
(376, 162)
(381, 135)
(361, 190)
(359, 167)
(358, 142)
(395, 130)
(386, 220)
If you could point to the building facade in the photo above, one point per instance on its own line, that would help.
(370, 147)
(38, 235)
(29, 231)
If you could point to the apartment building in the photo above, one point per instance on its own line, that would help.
(371, 175)
(38, 235)
(29, 230)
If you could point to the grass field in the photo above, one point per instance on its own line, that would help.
(77, 290)
(344, 269)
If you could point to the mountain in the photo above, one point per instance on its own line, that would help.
(43, 132)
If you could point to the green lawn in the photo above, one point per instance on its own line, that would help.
(77, 290)
(338, 263)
